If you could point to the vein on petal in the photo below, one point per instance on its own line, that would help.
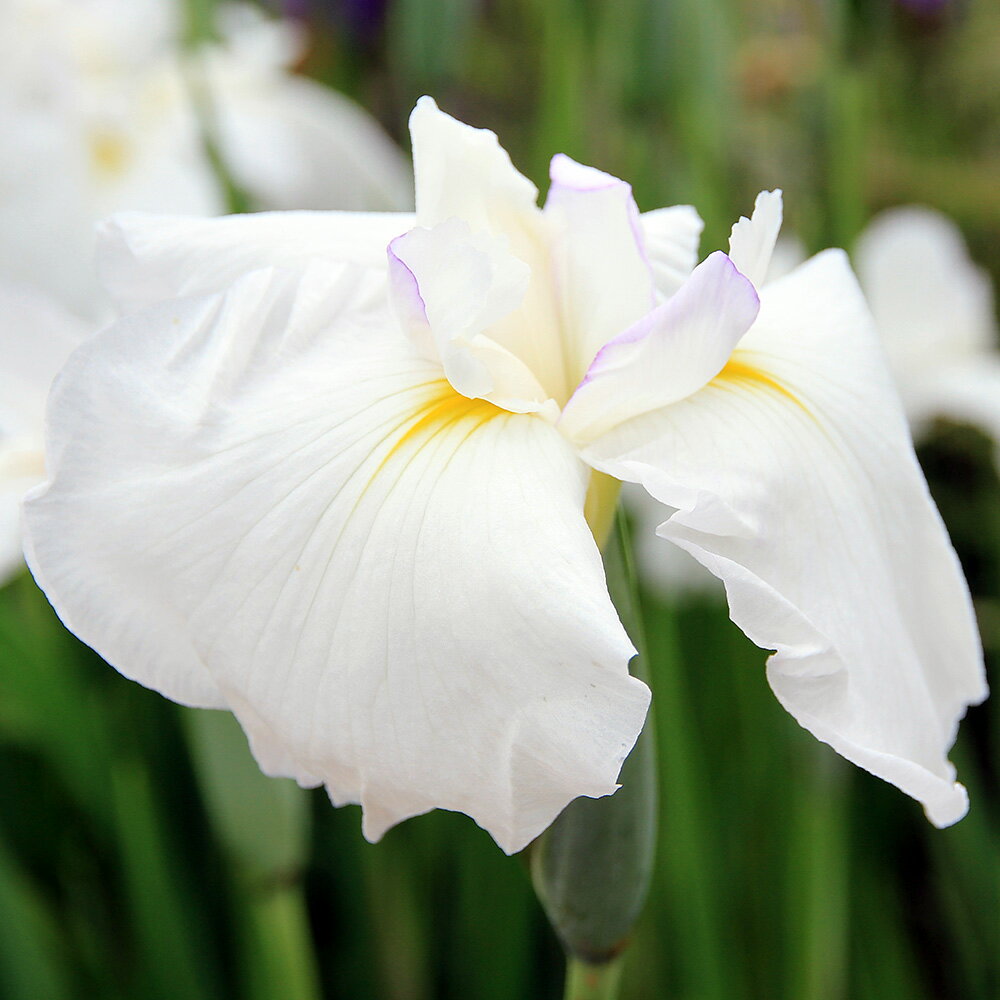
(738, 369)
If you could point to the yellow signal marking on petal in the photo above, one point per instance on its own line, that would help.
(737, 370)
(445, 408)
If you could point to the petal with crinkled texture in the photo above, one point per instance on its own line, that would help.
(794, 480)
(267, 499)
(450, 286)
(145, 258)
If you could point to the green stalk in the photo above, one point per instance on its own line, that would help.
(564, 80)
(817, 905)
(279, 951)
(162, 916)
(263, 826)
(399, 925)
(32, 949)
(592, 982)
(689, 841)
(593, 866)
(847, 139)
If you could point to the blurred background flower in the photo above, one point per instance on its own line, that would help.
(111, 112)
(114, 872)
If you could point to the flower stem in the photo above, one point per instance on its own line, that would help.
(592, 982)
(279, 957)
(592, 867)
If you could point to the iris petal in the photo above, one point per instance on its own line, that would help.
(392, 585)
(793, 479)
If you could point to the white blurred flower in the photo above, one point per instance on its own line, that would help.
(342, 474)
(936, 313)
(43, 335)
(98, 98)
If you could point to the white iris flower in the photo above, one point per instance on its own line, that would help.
(351, 494)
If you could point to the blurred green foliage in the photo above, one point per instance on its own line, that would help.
(782, 872)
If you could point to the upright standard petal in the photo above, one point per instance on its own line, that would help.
(463, 172)
(451, 287)
(393, 586)
(752, 240)
(603, 279)
(671, 237)
(668, 355)
(793, 479)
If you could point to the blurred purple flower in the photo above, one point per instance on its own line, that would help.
(362, 18)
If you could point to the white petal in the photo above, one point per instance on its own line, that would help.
(671, 237)
(795, 482)
(665, 568)
(669, 354)
(931, 304)
(789, 252)
(467, 282)
(149, 258)
(450, 288)
(604, 280)
(392, 586)
(752, 240)
(463, 172)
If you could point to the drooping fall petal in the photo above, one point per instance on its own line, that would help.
(391, 585)
(793, 479)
